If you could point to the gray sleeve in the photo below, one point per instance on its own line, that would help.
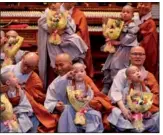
(42, 22)
(118, 85)
(50, 101)
(19, 55)
(130, 36)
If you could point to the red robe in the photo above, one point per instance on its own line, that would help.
(34, 93)
(82, 31)
(150, 44)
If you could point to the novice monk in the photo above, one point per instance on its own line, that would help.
(137, 97)
(120, 59)
(10, 49)
(8, 120)
(22, 108)
(70, 43)
(63, 66)
(80, 92)
(82, 30)
(33, 89)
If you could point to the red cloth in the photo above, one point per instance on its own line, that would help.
(150, 44)
(152, 84)
(82, 31)
(18, 26)
(35, 95)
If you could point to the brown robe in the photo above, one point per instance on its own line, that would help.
(82, 31)
(152, 84)
(34, 89)
(150, 44)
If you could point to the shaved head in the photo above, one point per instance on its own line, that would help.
(129, 7)
(29, 62)
(31, 58)
(137, 48)
(12, 33)
(63, 57)
(63, 63)
(79, 65)
(144, 8)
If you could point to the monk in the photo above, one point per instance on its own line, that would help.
(149, 37)
(70, 43)
(56, 102)
(82, 30)
(34, 90)
(10, 38)
(122, 114)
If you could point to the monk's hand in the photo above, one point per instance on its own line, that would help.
(127, 114)
(60, 106)
(147, 115)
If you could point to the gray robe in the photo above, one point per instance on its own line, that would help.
(71, 44)
(23, 111)
(118, 92)
(120, 59)
(57, 92)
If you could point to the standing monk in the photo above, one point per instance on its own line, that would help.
(82, 31)
(149, 37)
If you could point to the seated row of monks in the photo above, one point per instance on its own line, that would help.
(72, 102)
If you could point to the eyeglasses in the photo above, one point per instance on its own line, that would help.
(140, 54)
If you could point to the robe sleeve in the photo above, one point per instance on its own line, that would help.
(154, 88)
(130, 35)
(34, 87)
(42, 23)
(150, 28)
(118, 85)
(50, 101)
(19, 55)
(91, 84)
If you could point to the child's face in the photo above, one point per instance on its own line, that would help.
(79, 73)
(127, 13)
(134, 74)
(12, 81)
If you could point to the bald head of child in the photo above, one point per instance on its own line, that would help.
(127, 13)
(133, 74)
(8, 78)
